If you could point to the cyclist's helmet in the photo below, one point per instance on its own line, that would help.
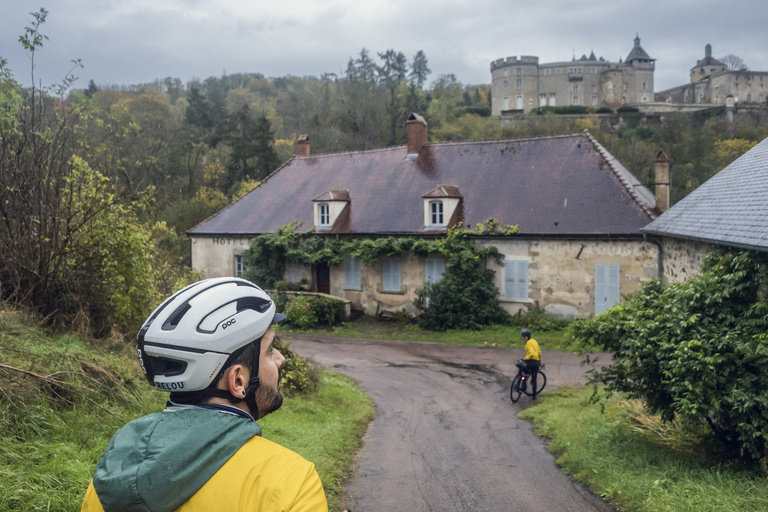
(187, 340)
(525, 332)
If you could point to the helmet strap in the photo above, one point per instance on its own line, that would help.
(250, 396)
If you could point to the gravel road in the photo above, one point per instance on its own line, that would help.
(446, 435)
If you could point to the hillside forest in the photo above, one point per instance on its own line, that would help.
(99, 182)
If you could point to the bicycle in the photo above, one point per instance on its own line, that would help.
(520, 382)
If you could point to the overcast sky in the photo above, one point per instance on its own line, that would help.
(128, 42)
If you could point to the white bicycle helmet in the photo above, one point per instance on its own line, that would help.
(185, 342)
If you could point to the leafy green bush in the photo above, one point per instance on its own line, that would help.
(296, 375)
(535, 317)
(568, 109)
(698, 349)
(327, 310)
(300, 313)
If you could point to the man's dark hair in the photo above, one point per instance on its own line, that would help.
(247, 356)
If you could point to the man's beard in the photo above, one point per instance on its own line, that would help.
(269, 398)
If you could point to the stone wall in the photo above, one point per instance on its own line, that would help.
(682, 259)
(214, 256)
(561, 273)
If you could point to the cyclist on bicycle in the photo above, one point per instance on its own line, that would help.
(532, 357)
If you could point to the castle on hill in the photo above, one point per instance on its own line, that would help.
(521, 84)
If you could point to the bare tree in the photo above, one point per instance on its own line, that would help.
(734, 62)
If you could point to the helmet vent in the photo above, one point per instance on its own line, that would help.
(175, 318)
(255, 303)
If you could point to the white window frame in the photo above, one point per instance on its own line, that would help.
(516, 279)
(607, 287)
(436, 213)
(324, 214)
(352, 268)
(239, 266)
(390, 274)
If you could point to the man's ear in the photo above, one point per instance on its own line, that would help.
(237, 380)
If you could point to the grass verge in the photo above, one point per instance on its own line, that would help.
(506, 336)
(635, 468)
(63, 399)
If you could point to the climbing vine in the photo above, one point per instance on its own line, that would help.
(266, 258)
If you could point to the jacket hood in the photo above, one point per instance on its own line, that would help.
(157, 462)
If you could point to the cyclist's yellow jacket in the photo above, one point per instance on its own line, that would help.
(532, 350)
(201, 460)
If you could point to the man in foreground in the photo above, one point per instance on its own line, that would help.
(532, 358)
(211, 346)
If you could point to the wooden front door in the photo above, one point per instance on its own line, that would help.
(323, 279)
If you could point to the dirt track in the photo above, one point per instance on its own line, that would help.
(446, 436)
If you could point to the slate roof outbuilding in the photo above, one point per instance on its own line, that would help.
(731, 208)
(549, 186)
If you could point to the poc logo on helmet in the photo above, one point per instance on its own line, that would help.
(228, 323)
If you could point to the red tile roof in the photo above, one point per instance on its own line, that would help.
(550, 186)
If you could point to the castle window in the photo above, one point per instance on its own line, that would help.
(594, 88)
(506, 85)
(594, 100)
(542, 99)
(546, 71)
(506, 103)
(519, 71)
(519, 102)
(519, 83)
(506, 72)
(644, 86)
(552, 100)
(575, 89)
(558, 71)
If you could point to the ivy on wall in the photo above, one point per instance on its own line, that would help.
(268, 254)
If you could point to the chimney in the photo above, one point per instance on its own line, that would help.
(661, 165)
(416, 134)
(302, 146)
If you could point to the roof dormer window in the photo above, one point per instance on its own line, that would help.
(331, 210)
(436, 213)
(440, 207)
(324, 212)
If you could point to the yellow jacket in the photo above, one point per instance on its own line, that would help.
(201, 460)
(532, 350)
(261, 476)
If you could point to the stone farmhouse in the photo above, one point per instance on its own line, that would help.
(579, 212)
(520, 84)
(729, 209)
(713, 84)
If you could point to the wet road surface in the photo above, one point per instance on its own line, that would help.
(446, 436)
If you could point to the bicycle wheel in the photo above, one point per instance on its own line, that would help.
(514, 391)
(541, 381)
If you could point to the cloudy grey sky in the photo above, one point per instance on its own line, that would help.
(137, 41)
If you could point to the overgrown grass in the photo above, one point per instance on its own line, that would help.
(507, 336)
(628, 459)
(63, 399)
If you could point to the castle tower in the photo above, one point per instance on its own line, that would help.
(638, 78)
(514, 84)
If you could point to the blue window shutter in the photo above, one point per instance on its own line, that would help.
(516, 279)
(607, 287)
